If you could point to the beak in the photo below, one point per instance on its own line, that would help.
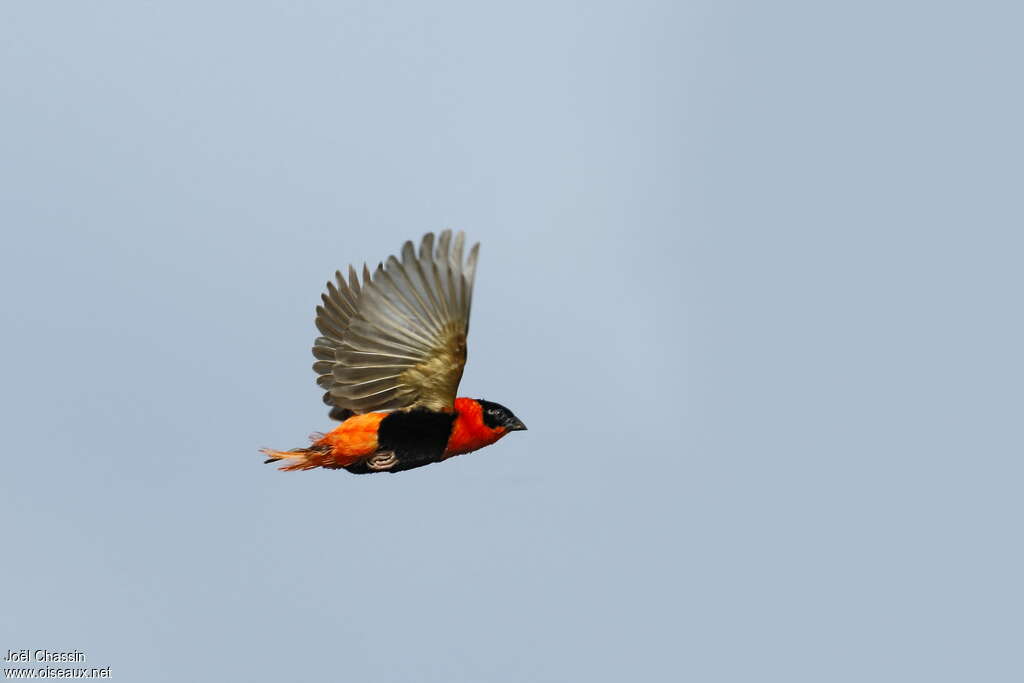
(517, 426)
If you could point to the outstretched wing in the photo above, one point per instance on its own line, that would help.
(398, 339)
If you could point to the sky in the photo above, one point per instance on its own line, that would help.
(750, 272)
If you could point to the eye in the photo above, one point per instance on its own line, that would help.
(493, 415)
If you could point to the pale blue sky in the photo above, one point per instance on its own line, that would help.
(751, 273)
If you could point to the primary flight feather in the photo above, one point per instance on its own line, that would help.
(390, 358)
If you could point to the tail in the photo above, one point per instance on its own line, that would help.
(317, 455)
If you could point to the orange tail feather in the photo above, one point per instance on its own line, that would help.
(301, 458)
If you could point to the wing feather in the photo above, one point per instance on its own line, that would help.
(397, 339)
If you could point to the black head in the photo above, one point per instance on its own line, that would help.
(496, 415)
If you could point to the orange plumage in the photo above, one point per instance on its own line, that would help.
(354, 438)
(469, 433)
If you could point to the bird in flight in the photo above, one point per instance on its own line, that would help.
(390, 358)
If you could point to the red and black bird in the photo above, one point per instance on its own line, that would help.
(391, 357)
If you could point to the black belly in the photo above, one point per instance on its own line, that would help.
(416, 437)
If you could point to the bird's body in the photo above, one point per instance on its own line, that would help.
(391, 357)
(412, 438)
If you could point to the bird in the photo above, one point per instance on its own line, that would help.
(390, 355)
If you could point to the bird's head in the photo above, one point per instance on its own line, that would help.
(480, 423)
(496, 416)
